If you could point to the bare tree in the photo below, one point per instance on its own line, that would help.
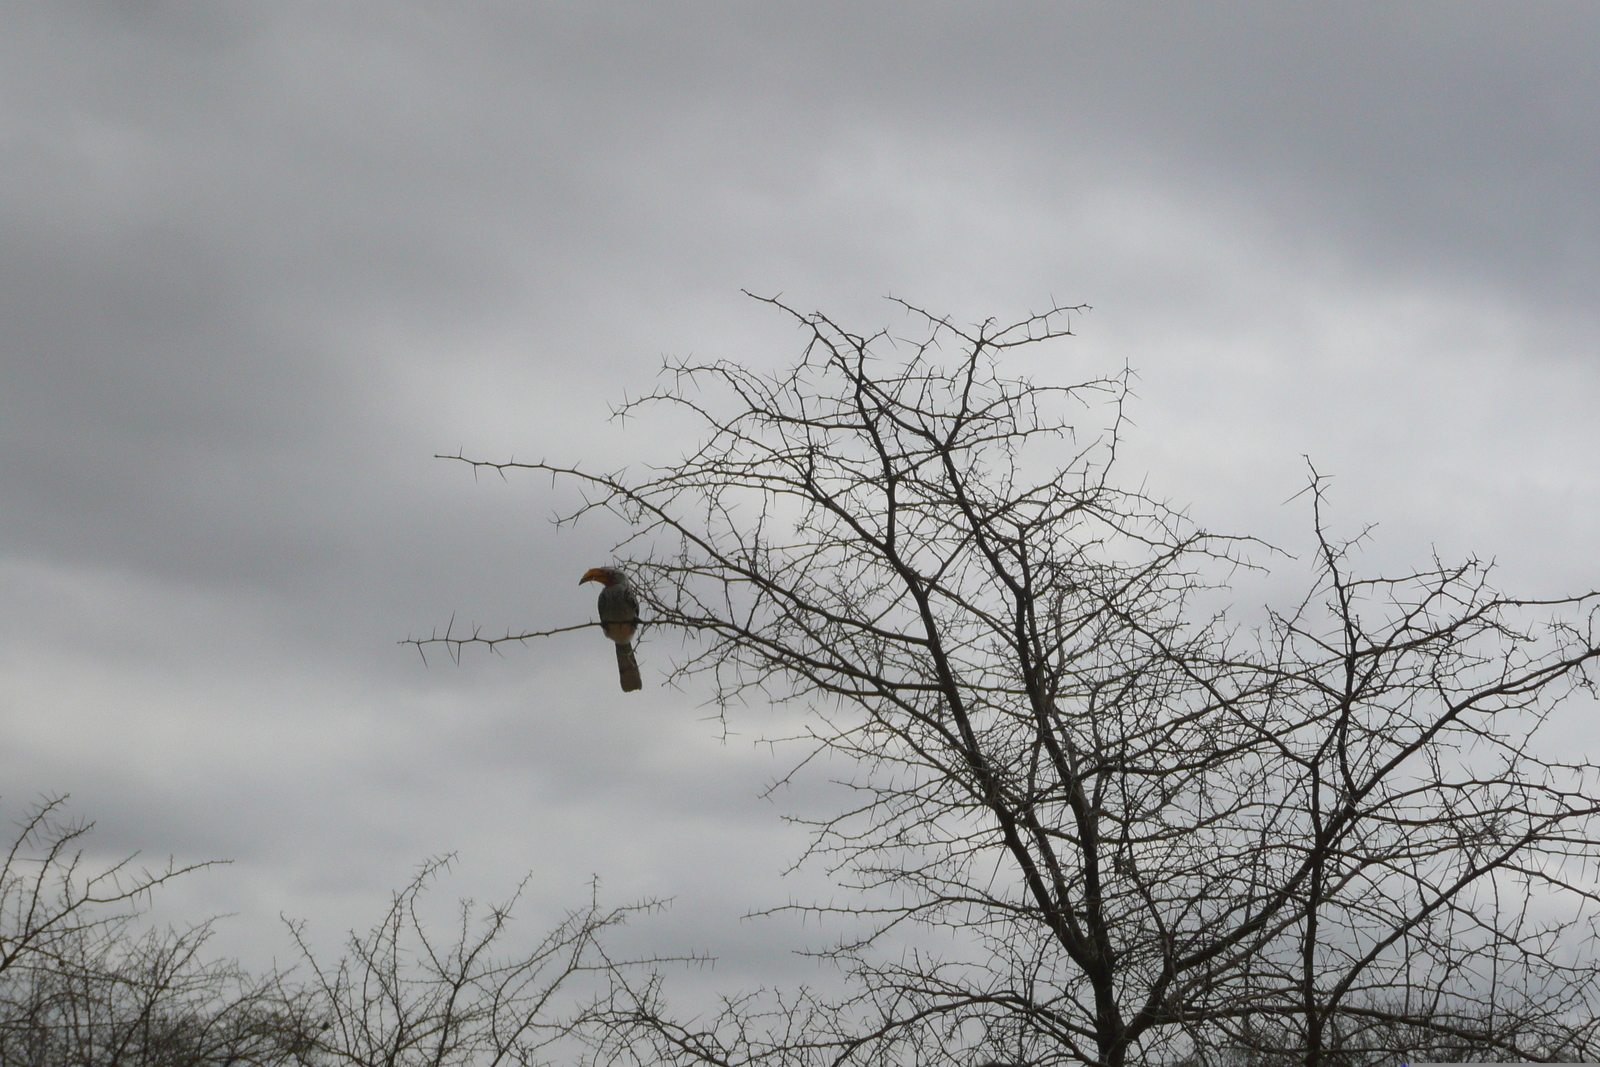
(86, 984)
(49, 895)
(401, 995)
(1148, 832)
(80, 984)
(111, 996)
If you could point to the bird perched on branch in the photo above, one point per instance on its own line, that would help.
(619, 618)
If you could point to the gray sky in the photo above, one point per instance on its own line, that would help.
(259, 262)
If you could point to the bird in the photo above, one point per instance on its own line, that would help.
(619, 618)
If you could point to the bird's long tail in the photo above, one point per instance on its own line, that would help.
(628, 667)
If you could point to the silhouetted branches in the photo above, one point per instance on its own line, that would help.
(401, 994)
(1146, 832)
(85, 985)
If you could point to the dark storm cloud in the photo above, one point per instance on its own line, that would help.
(1459, 136)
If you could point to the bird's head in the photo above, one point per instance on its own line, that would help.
(603, 575)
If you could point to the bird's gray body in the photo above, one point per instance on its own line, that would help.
(619, 620)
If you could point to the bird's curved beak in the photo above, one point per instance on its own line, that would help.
(593, 574)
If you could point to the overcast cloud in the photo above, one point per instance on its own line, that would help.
(260, 261)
